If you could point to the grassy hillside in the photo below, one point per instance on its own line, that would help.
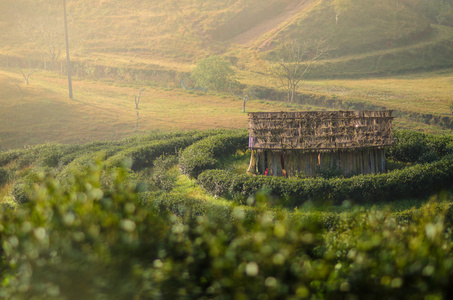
(103, 110)
(183, 31)
(106, 110)
(119, 47)
(361, 26)
(173, 35)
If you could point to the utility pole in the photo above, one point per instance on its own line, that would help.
(68, 61)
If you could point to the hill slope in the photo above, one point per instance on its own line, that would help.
(183, 31)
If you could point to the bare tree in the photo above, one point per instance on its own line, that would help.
(137, 98)
(47, 34)
(136, 122)
(21, 92)
(47, 31)
(443, 11)
(340, 7)
(27, 76)
(295, 59)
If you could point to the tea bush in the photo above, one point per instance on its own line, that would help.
(23, 187)
(420, 180)
(95, 241)
(143, 155)
(204, 154)
(4, 176)
(7, 157)
(100, 231)
(428, 169)
(412, 147)
(161, 176)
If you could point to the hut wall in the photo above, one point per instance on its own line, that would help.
(292, 163)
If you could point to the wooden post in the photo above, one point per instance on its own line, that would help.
(252, 165)
(136, 122)
(275, 163)
(278, 158)
(21, 92)
(288, 162)
(68, 61)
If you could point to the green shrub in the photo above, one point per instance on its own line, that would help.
(46, 155)
(23, 187)
(412, 147)
(416, 181)
(4, 176)
(110, 241)
(204, 154)
(143, 156)
(9, 156)
(162, 177)
(214, 73)
(49, 154)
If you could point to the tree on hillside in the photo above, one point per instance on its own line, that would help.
(27, 76)
(45, 29)
(340, 7)
(295, 59)
(436, 10)
(440, 10)
(214, 72)
(47, 34)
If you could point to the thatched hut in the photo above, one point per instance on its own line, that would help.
(306, 143)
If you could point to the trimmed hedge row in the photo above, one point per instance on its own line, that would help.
(412, 146)
(204, 154)
(416, 181)
(143, 155)
(111, 148)
(9, 156)
(4, 176)
(100, 240)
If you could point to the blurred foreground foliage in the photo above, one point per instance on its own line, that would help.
(107, 221)
(95, 239)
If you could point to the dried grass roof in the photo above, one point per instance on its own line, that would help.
(320, 130)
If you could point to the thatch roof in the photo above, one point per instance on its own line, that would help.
(320, 130)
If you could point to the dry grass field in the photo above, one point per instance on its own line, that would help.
(103, 111)
(428, 92)
(120, 46)
(106, 111)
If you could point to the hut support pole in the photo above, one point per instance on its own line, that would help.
(252, 165)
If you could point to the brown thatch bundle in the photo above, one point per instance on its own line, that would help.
(320, 130)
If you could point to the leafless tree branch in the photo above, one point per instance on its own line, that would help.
(27, 76)
(21, 92)
(137, 99)
(295, 59)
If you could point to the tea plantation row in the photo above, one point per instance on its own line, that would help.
(95, 240)
(106, 220)
(427, 161)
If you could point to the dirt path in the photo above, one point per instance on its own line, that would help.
(266, 26)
